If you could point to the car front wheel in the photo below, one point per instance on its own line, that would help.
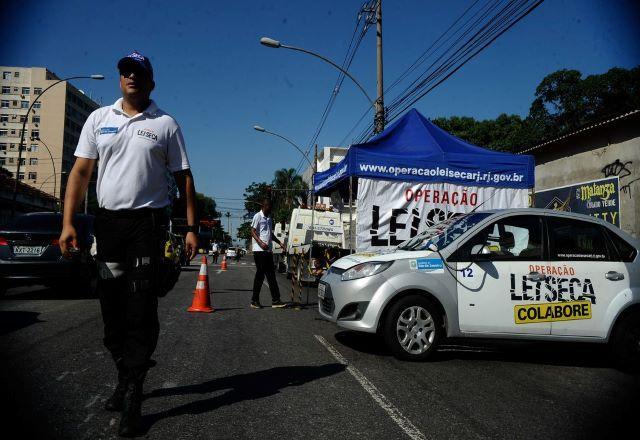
(412, 328)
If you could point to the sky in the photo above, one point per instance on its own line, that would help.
(215, 78)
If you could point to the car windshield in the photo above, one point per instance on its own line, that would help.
(444, 233)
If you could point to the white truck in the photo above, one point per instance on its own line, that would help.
(328, 233)
(279, 259)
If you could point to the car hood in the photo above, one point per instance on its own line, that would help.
(363, 257)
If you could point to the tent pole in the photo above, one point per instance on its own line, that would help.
(350, 214)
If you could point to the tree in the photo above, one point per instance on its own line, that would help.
(564, 102)
(289, 188)
(244, 231)
(254, 195)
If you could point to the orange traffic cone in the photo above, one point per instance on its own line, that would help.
(204, 275)
(223, 265)
(201, 301)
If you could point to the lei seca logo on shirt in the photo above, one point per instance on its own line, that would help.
(147, 134)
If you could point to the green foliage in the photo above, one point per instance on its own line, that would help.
(285, 192)
(206, 207)
(244, 231)
(564, 102)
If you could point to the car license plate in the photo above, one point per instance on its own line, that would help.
(28, 250)
(321, 290)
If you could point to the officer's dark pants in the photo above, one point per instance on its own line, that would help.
(129, 245)
(264, 267)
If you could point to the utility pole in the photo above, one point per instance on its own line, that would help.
(379, 119)
(228, 215)
(315, 170)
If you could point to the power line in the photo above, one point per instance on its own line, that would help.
(458, 53)
(346, 64)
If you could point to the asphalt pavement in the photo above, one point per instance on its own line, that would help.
(240, 373)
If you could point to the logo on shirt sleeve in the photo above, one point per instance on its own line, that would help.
(108, 130)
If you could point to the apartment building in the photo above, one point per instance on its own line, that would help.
(52, 130)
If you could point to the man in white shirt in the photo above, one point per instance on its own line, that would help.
(214, 251)
(262, 233)
(136, 144)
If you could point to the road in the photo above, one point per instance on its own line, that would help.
(240, 373)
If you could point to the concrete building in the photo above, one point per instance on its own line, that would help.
(608, 150)
(328, 157)
(55, 121)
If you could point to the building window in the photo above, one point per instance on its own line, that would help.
(12, 160)
(16, 74)
(35, 134)
(3, 161)
(37, 90)
(33, 175)
(23, 161)
(37, 104)
(26, 90)
(4, 103)
(35, 119)
(24, 104)
(4, 118)
(21, 176)
(6, 90)
(33, 161)
(4, 132)
(23, 118)
(3, 147)
(33, 148)
(12, 147)
(6, 75)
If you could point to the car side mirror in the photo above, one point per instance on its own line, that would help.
(480, 252)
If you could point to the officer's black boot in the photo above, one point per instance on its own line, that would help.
(114, 403)
(131, 420)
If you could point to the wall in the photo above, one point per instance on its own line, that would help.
(611, 150)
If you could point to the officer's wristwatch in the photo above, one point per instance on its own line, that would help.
(192, 228)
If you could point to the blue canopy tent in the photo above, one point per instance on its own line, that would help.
(413, 149)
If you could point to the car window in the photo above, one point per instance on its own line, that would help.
(511, 238)
(626, 252)
(572, 239)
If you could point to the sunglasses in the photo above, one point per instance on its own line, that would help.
(137, 72)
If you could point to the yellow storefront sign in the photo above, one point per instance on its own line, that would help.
(549, 312)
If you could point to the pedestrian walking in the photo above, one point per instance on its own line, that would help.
(135, 144)
(263, 236)
(215, 251)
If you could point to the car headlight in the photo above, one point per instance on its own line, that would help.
(363, 270)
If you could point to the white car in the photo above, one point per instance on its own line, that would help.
(518, 273)
(231, 253)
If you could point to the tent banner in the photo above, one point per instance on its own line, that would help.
(389, 213)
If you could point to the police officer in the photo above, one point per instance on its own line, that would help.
(136, 144)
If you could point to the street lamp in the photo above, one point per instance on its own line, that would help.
(275, 44)
(53, 164)
(264, 130)
(22, 132)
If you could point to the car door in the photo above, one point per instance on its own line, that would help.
(494, 279)
(598, 276)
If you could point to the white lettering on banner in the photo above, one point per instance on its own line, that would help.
(390, 212)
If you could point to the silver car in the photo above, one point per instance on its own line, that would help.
(517, 273)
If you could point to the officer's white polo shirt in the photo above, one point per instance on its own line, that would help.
(134, 153)
(264, 227)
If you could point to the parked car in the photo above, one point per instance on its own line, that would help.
(30, 253)
(527, 274)
(231, 253)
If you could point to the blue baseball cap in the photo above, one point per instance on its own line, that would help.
(136, 59)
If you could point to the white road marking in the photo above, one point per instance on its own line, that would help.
(62, 376)
(393, 412)
(219, 271)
